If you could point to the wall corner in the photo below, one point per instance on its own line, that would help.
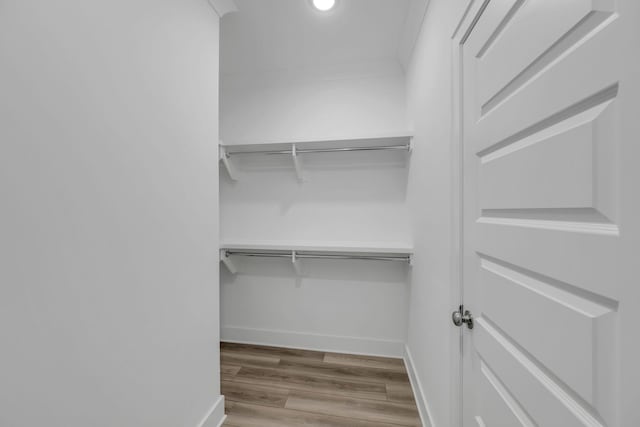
(215, 416)
(418, 391)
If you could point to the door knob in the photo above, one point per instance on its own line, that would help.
(461, 316)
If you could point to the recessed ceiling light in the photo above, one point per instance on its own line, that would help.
(324, 5)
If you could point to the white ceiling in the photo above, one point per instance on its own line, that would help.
(268, 35)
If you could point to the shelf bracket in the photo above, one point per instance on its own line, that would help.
(222, 152)
(297, 163)
(227, 261)
(296, 263)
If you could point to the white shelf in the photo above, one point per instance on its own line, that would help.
(398, 141)
(396, 248)
(357, 140)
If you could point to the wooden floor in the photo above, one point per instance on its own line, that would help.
(278, 387)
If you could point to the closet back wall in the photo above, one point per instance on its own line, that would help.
(351, 306)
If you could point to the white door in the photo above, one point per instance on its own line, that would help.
(550, 131)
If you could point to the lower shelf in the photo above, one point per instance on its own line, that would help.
(296, 251)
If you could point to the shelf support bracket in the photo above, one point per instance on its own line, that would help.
(410, 146)
(296, 263)
(227, 261)
(297, 163)
(224, 156)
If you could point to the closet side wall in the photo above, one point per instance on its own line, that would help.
(351, 306)
(429, 97)
(109, 219)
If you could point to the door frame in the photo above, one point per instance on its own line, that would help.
(467, 22)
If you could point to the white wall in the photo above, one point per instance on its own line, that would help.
(429, 99)
(345, 197)
(353, 306)
(108, 224)
(341, 101)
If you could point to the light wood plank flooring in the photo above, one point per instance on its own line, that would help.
(280, 387)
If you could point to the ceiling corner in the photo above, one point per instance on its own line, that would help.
(415, 17)
(222, 7)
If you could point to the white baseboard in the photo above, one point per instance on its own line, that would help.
(215, 417)
(418, 392)
(332, 343)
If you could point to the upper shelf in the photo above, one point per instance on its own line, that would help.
(400, 141)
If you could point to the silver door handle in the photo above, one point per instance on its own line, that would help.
(461, 316)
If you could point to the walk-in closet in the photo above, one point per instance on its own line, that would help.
(319, 213)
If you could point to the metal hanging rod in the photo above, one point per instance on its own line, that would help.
(404, 147)
(401, 258)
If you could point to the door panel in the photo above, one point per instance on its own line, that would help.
(499, 408)
(505, 65)
(564, 252)
(556, 95)
(543, 318)
(532, 174)
(547, 401)
(546, 250)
